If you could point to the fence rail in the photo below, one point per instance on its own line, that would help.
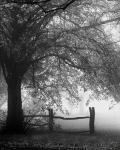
(26, 116)
(75, 118)
(52, 117)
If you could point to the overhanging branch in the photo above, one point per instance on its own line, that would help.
(4, 70)
(38, 2)
(65, 60)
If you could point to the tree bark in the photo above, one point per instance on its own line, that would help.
(15, 116)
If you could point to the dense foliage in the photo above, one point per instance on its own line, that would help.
(54, 47)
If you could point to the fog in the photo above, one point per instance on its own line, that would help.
(109, 121)
(105, 118)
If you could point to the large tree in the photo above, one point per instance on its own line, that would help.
(29, 35)
(23, 28)
(23, 36)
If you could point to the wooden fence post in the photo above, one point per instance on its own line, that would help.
(92, 120)
(50, 119)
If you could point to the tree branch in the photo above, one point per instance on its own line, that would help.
(65, 60)
(98, 24)
(4, 72)
(35, 2)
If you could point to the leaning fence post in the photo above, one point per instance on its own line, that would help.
(50, 119)
(92, 120)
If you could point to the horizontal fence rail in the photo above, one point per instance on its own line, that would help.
(38, 125)
(51, 118)
(36, 116)
(75, 118)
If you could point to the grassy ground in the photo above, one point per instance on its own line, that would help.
(99, 141)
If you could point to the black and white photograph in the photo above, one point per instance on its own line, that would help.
(59, 74)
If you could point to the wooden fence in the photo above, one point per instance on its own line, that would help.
(52, 117)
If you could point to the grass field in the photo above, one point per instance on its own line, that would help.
(99, 141)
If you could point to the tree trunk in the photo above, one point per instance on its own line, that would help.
(15, 117)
